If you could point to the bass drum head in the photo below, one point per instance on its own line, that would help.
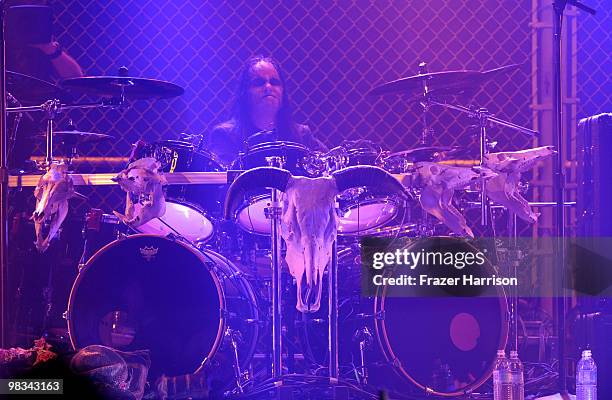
(146, 292)
(444, 344)
(183, 219)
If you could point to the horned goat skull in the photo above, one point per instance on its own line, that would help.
(52, 193)
(439, 183)
(142, 182)
(309, 222)
(504, 188)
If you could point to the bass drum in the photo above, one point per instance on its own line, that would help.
(147, 292)
(443, 346)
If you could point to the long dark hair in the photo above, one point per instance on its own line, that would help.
(241, 112)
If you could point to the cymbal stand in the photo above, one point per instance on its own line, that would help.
(52, 109)
(273, 213)
(483, 116)
(426, 104)
(332, 343)
(513, 260)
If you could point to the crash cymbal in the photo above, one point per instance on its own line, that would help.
(134, 88)
(28, 89)
(435, 81)
(463, 82)
(77, 137)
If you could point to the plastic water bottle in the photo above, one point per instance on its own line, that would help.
(502, 380)
(518, 379)
(586, 377)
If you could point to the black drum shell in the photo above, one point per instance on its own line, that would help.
(146, 292)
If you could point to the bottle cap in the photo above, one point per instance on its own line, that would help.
(514, 354)
(586, 353)
(501, 353)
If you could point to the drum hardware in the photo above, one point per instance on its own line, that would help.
(365, 339)
(273, 213)
(52, 108)
(71, 139)
(234, 337)
(427, 131)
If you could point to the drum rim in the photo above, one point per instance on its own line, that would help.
(398, 368)
(279, 144)
(83, 270)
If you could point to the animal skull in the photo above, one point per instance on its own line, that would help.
(309, 225)
(439, 184)
(503, 189)
(52, 193)
(308, 222)
(142, 183)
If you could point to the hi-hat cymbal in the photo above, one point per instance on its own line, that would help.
(77, 137)
(28, 89)
(134, 88)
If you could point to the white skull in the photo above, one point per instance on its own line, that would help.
(309, 226)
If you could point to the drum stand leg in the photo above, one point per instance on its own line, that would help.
(332, 319)
(513, 261)
(233, 337)
(364, 337)
(273, 213)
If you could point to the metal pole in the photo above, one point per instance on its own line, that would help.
(277, 347)
(558, 190)
(482, 122)
(333, 313)
(4, 274)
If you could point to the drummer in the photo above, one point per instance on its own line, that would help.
(261, 113)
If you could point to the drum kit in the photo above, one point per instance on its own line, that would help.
(196, 290)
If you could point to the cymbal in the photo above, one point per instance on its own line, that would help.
(425, 153)
(77, 137)
(28, 89)
(435, 81)
(497, 72)
(135, 88)
(444, 83)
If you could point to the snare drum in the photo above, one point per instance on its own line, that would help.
(150, 292)
(293, 157)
